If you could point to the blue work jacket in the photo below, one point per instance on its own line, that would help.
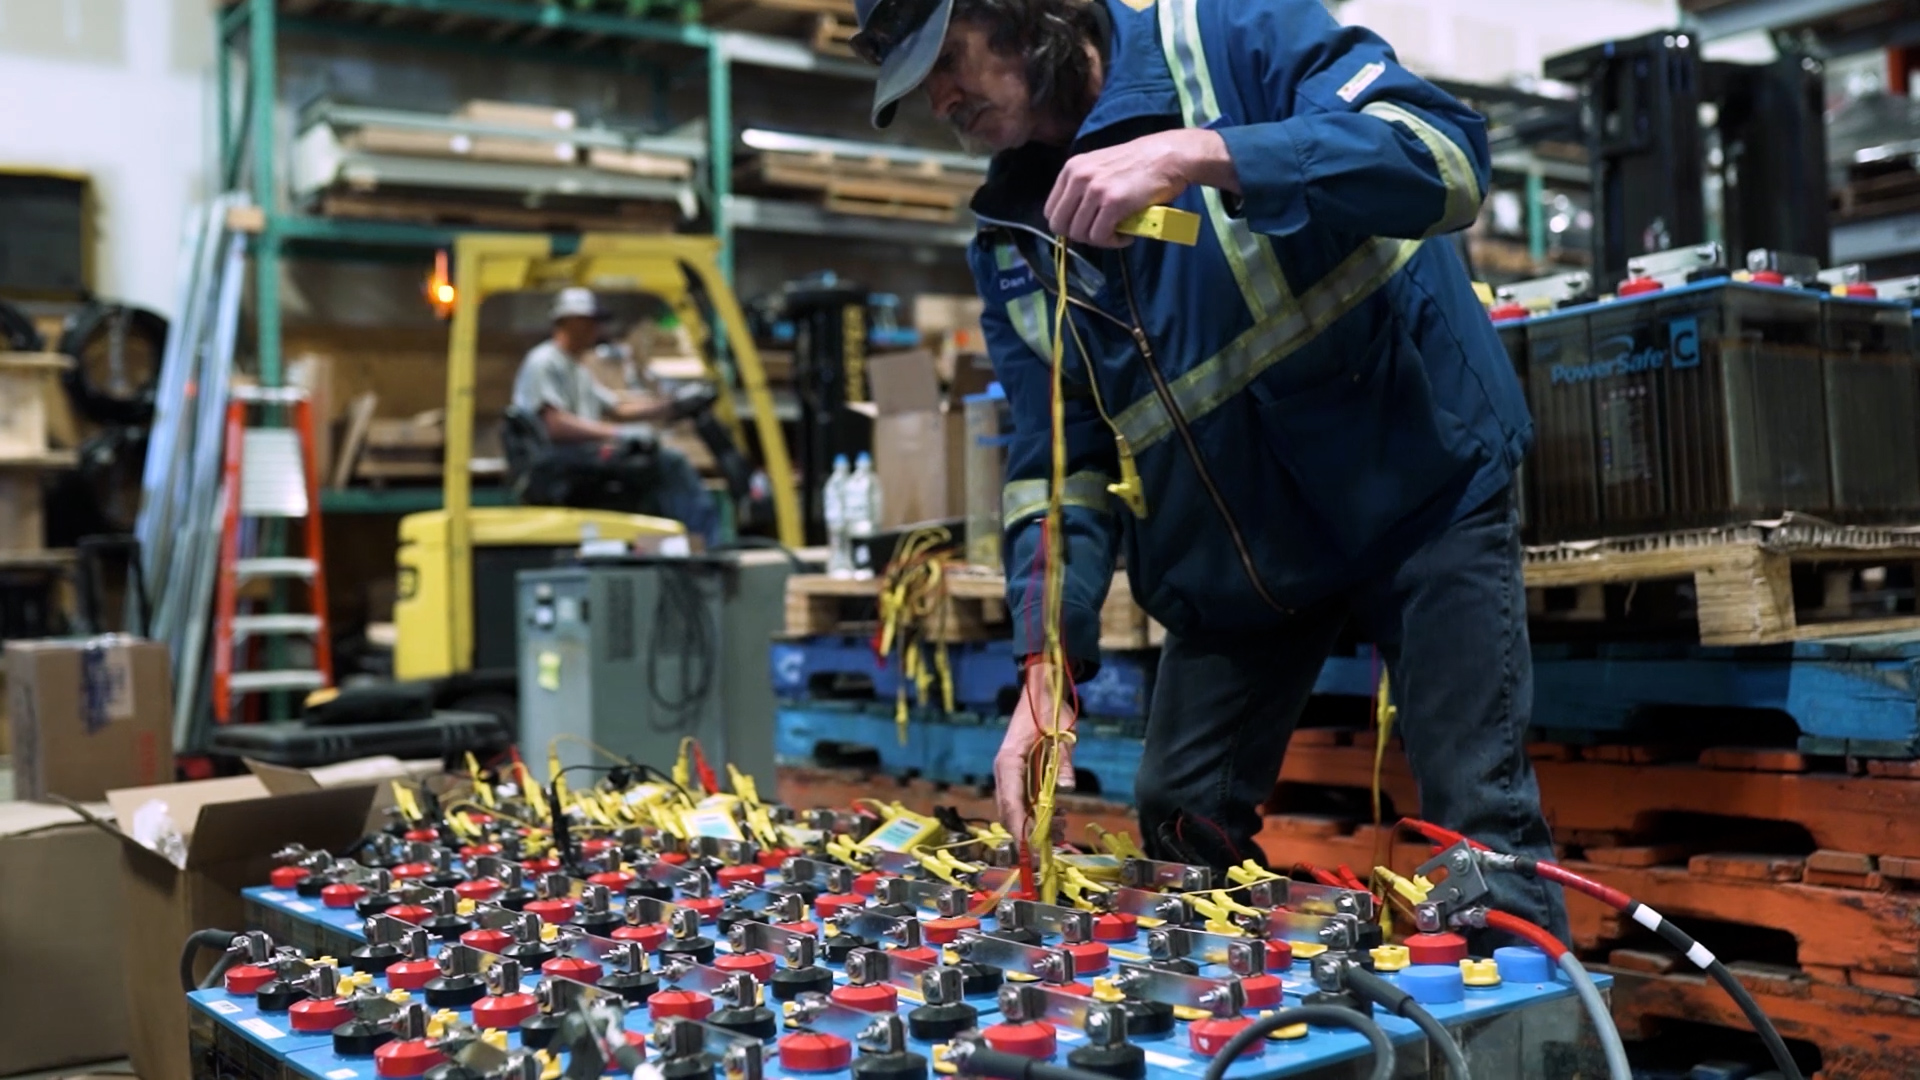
(1310, 392)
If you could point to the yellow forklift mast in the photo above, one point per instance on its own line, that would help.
(434, 618)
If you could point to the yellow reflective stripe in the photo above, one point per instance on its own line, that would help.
(1463, 187)
(1023, 499)
(1249, 254)
(1268, 342)
(1028, 313)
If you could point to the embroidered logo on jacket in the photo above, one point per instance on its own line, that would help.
(1362, 79)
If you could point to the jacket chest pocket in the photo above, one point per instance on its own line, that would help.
(1369, 447)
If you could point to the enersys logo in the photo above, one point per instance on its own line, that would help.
(1617, 356)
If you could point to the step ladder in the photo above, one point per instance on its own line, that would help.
(270, 474)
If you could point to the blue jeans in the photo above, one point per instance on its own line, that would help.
(1451, 623)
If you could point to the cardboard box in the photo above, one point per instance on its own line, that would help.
(61, 939)
(186, 851)
(949, 324)
(89, 715)
(919, 436)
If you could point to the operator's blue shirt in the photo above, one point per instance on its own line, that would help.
(1311, 392)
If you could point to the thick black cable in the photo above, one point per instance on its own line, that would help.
(196, 941)
(1400, 1003)
(1004, 1066)
(681, 612)
(1704, 959)
(1323, 1015)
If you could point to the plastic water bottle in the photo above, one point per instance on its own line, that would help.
(839, 552)
(863, 513)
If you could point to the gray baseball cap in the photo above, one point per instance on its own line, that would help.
(903, 37)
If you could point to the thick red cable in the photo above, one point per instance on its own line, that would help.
(1534, 935)
(1324, 877)
(1606, 894)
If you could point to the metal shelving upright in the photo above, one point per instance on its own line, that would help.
(246, 127)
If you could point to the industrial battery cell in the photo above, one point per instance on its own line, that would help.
(1513, 336)
(1565, 480)
(1689, 407)
(1746, 433)
(1873, 408)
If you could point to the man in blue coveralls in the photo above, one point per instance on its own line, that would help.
(1305, 418)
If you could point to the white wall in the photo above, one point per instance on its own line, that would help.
(121, 90)
(1492, 41)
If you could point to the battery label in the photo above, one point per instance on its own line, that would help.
(342, 1074)
(300, 906)
(224, 1008)
(718, 824)
(262, 1028)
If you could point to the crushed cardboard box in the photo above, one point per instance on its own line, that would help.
(88, 715)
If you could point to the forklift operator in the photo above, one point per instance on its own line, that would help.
(555, 385)
(1303, 419)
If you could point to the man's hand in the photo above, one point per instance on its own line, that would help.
(1100, 189)
(1016, 767)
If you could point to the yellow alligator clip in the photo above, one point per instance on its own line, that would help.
(847, 850)
(1249, 872)
(1131, 490)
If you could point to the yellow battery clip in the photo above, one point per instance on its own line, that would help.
(1163, 223)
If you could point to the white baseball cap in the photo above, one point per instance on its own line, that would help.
(575, 302)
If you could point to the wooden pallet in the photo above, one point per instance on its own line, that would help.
(806, 788)
(790, 18)
(1742, 579)
(821, 605)
(634, 217)
(1870, 813)
(873, 186)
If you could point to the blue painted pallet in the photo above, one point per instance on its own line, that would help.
(952, 750)
(1846, 696)
(984, 674)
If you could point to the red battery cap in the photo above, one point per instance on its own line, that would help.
(617, 880)
(1089, 957)
(673, 858)
(801, 927)
(545, 864)
(680, 1005)
(755, 875)
(775, 858)
(649, 935)
(410, 913)
(1279, 955)
(486, 939)
(286, 877)
(760, 965)
(479, 890)
(318, 1014)
(553, 911)
(827, 905)
(422, 836)
(1769, 277)
(868, 883)
(247, 979)
(342, 894)
(1509, 312)
(412, 974)
(919, 953)
(411, 871)
(572, 967)
(504, 1012)
(475, 851)
(406, 1058)
(947, 931)
(1034, 1039)
(1445, 949)
(812, 1052)
(878, 998)
(1639, 286)
(1077, 989)
(1263, 991)
(1116, 926)
(1210, 1036)
(708, 906)
(1863, 291)
(598, 845)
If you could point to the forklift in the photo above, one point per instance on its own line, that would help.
(455, 614)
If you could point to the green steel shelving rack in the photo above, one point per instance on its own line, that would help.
(247, 141)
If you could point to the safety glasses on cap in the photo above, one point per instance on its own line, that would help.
(892, 22)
